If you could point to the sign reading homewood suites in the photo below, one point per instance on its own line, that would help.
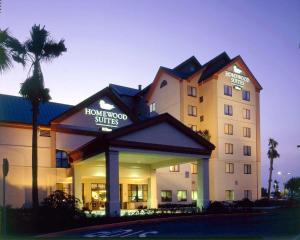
(237, 79)
(107, 115)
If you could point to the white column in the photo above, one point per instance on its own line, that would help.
(112, 183)
(77, 184)
(152, 189)
(202, 183)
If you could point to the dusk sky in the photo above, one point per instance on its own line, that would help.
(125, 42)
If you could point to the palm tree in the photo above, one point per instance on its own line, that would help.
(10, 50)
(39, 48)
(272, 154)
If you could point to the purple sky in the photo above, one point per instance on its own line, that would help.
(125, 42)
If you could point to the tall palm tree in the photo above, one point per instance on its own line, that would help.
(272, 154)
(10, 50)
(39, 48)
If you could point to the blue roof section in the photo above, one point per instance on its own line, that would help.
(121, 90)
(18, 110)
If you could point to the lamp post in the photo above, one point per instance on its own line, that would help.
(5, 169)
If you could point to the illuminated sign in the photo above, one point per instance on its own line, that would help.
(107, 116)
(237, 79)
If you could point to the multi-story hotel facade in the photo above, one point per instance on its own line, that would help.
(125, 148)
(221, 96)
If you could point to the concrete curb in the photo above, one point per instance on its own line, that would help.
(142, 221)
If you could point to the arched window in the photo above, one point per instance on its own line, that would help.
(62, 159)
(163, 83)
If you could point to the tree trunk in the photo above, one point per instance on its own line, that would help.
(270, 178)
(35, 196)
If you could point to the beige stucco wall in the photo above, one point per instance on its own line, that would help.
(15, 145)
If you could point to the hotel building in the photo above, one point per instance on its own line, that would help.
(125, 148)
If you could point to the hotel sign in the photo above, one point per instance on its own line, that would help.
(237, 79)
(106, 115)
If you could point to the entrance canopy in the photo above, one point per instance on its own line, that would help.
(161, 135)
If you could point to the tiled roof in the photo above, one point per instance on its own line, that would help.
(192, 65)
(121, 90)
(18, 110)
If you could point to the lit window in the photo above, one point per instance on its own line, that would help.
(174, 168)
(248, 194)
(166, 195)
(194, 168)
(247, 132)
(227, 90)
(163, 83)
(153, 107)
(246, 95)
(247, 150)
(229, 195)
(228, 129)
(194, 195)
(201, 118)
(182, 196)
(246, 113)
(192, 110)
(228, 110)
(201, 99)
(228, 148)
(229, 168)
(193, 127)
(192, 91)
(62, 159)
(137, 192)
(247, 168)
(44, 133)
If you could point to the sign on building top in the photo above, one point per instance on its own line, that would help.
(237, 78)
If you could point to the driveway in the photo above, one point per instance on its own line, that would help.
(276, 224)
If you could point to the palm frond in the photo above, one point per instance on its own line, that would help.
(38, 38)
(53, 49)
(5, 61)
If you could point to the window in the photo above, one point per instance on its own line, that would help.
(229, 168)
(247, 150)
(247, 132)
(44, 133)
(181, 196)
(246, 95)
(229, 195)
(192, 91)
(193, 127)
(228, 148)
(247, 168)
(137, 192)
(201, 118)
(201, 99)
(153, 107)
(62, 159)
(228, 110)
(228, 129)
(227, 90)
(65, 187)
(194, 168)
(174, 168)
(163, 83)
(246, 113)
(166, 195)
(192, 110)
(248, 194)
(194, 195)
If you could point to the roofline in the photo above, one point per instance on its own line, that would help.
(104, 92)
(106, 138)
(256, 83)
(192, 57)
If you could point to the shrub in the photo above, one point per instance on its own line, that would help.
(245, 203)
(217, 207)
